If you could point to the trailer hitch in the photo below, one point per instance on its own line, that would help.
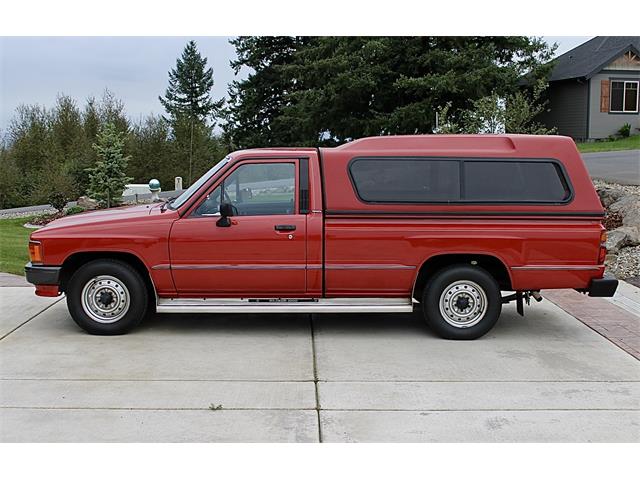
(522, 296)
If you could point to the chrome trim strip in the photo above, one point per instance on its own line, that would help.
(459, 213)
(287, 305)
(368, 266)
(293, 266)
(162, 266)
(221, 266)
(557, 267)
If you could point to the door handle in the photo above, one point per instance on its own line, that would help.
(285, 228)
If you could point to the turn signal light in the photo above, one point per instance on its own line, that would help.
(35, 252)
(602, 253)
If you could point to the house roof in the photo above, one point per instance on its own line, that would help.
(587, 59)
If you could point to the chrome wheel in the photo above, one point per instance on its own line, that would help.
(463, 304)
(105, 299)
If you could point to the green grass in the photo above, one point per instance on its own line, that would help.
(629, 143)
(14, 245)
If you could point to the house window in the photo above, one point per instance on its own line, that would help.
(624, 96)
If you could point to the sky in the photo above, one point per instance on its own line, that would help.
(37, 69)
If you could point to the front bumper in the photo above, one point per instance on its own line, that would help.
(603, 287)
(40, 275)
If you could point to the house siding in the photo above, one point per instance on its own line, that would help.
(603, 124)
(567, 108)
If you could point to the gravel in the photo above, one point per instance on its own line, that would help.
(626, 264)
(27, 214)
(627, 189)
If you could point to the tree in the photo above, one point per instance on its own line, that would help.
(152, 152)
(516, 113)
(255, 108)
(188, 97)
(107, 180)
(9, 180)
(330, 90)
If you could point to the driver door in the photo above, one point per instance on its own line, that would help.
(261, 253)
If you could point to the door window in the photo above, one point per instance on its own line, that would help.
(255, 189)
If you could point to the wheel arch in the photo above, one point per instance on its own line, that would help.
(74, 261)
(491, 263)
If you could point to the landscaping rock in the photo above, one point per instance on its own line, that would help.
(87, 203)
(629, 208)
(609, 195)
(622, 237)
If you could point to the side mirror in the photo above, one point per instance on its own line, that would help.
(226, 211)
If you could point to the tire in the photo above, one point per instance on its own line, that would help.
(107, 297)
(461, 302)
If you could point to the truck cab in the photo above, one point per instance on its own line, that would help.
(445, 223)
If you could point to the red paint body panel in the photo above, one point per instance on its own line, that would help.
(343, 247)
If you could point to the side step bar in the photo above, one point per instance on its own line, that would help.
(254, 305)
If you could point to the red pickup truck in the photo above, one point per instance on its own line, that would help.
(383, 224)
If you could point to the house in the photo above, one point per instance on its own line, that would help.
(593, 89)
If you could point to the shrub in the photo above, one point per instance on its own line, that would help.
(74, 210)
(57, 200)
(625, 130)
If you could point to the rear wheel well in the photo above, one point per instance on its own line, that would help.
(73, 262)
(491, 264)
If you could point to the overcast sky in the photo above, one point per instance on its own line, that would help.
(37, 69)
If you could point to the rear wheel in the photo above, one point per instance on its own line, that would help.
(107, 297)
(462, 302)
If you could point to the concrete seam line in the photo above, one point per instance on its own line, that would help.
(31, 318)
(213, 380)
(285, 409)
(315, 375)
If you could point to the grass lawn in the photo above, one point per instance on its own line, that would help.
(629, 143)
(14, 245)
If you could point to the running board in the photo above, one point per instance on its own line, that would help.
(284, 305)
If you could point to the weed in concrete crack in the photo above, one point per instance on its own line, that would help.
(213, 406)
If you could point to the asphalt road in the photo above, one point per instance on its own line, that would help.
(619, 167)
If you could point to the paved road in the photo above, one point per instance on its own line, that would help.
(619, 167)
(301, 378)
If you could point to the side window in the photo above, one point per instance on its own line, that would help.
(406, 180)
(514, 181)
(255, 189)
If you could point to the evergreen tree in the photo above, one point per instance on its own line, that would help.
(107, 179)
(188, 97)
(255, 110)
(329, 90)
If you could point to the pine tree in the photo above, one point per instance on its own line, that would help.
(328, 90)
(188, 97)
(107, 179)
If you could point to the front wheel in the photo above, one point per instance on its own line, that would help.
(462, 302)
(107, 297)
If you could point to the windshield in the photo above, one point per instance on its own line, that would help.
(184, 196)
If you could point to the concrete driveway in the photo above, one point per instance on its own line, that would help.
(619, 167)
(302, 378)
